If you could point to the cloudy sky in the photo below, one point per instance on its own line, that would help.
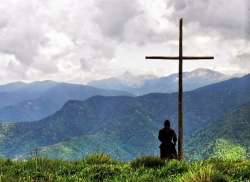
(83, 40)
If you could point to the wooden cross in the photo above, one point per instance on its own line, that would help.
(180, 57)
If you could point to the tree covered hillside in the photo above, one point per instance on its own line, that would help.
(226, 137)
(121, 125)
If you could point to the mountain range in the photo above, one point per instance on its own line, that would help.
(144, 84)
(124, 126)
(33, 101)
(16, 92)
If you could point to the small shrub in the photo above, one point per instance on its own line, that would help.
(39, 176)
(240, 170)
(100, 172)
(7, 162)
(203, 172)
(148, 162)
(237, 169)
(99, 158)
(174, 168)
(198, 174)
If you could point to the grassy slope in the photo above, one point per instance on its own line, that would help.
(101, 167)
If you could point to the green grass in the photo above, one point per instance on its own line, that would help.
(101, 167)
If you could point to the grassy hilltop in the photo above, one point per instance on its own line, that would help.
(101, 167)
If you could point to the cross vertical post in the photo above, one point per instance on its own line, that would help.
(180, 108)
(180, 122)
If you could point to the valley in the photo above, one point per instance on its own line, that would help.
(126, 126)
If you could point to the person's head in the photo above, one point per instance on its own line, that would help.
(167, 123)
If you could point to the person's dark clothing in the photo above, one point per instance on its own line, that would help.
(167, 148)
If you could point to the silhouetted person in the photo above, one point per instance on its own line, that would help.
(167, 148)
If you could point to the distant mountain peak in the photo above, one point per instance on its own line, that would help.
(148, 83)
(205, 73)
(134, 80)
(202, 69)
(127, 73)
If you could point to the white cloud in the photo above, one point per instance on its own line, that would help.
(229, 19)
(68, 39)
(241, 55)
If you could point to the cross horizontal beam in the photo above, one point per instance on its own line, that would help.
(177, 57)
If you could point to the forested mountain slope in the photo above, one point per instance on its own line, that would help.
(121, 123)
(228, 136)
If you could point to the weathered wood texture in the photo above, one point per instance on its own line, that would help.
(176, 57)
(180, 122)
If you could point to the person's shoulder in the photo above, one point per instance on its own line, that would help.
(162, 129)
(172, 130)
